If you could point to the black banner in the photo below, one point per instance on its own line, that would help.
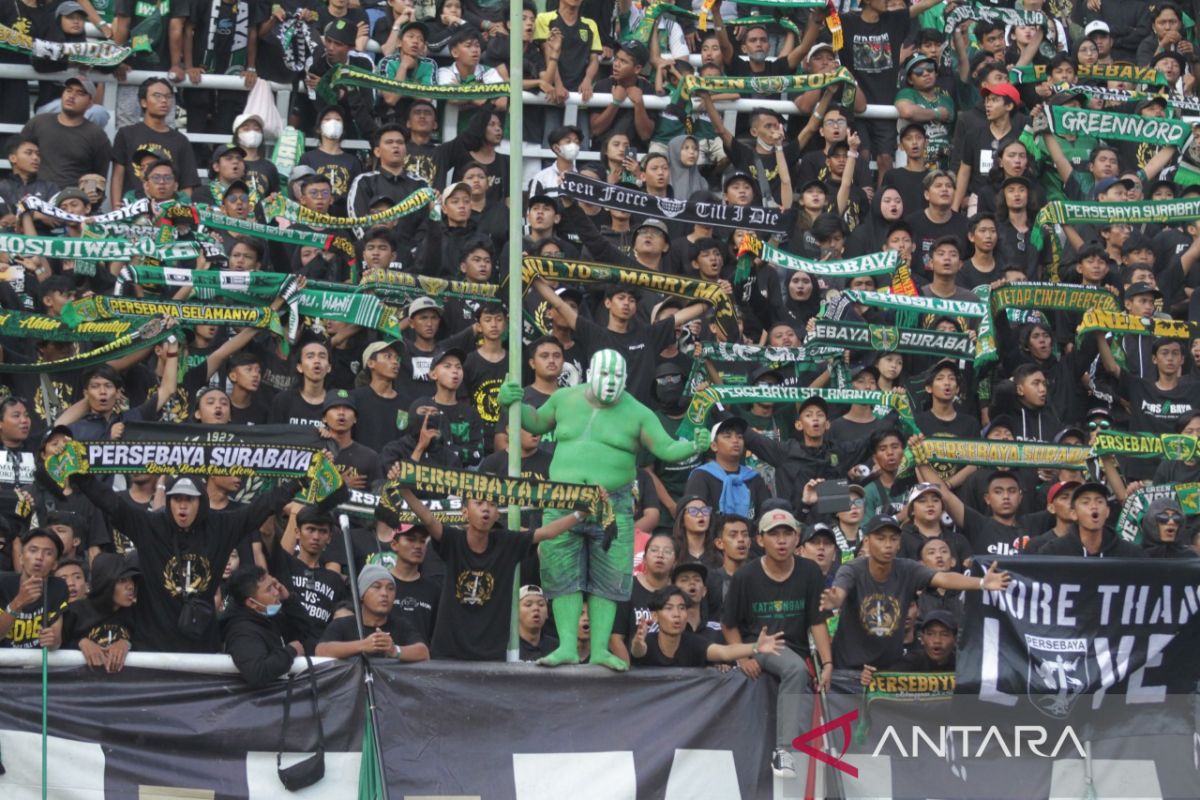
(514, 731)
(623, 198)
(113, 736)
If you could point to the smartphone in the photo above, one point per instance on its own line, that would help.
(630, 153)
(833, 497)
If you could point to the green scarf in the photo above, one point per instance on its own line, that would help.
(292, 211)
(1052, 296)
(1160, 131)
(768, 84)
(89, 54)
(890, 339)
(1133, 510)
(559, 269)
(754, 354)
(1005, 16)
(1061, 212)
(394, 285)
(1176, 101)
(149, 334)
(61, 247)
(1129, 73)
(175, 453)
(704, 400)
(753, 247)
(504, 491)
(448, 511)
(91, 309)
(1168, 446)
(921, 305)
(20, 325)
(998, 453)
(346, 75)
(1119, 324)
(288, 149)
(645, 28)
(902, 687)
(322, 241)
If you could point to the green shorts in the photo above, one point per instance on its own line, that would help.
(576, 561)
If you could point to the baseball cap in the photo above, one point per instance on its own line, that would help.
(375, 348)
(921, 489)
(1059, 488)
(443, 352)
(1096, 26)
(570, 293)
(737, 175)
(423, 304)
(530, 589)
(71, 192)
(1016, 179)
(238, 184)
(226, 149)
(242, 119)
(813, 400)
(340, 397)
(732, 423)
(421, 26)
(819, 529)
(543, 198)
(915, 60)
(84, 82)
(57, 430)
(341, 31)
(1141, 287)
(656, 224)
(184, 487)
(690, 566)
(299, 172)
(939, 615)
(1104, 184)
(1000, 421)
(881, 521)
(1003, 90)
(1070, 431)
(1089, 486)
(945, 363)
(69, 7)
(818, 47)
(775, 518)
(46, 533)
(458, 186)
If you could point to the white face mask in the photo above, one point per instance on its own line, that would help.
(569, 151)
(332, 129)
(606, 375)
(250, 138)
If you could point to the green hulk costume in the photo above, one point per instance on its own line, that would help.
(598, 430)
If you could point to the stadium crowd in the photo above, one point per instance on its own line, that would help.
(801, 508)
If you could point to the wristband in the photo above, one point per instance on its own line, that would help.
(754, 648)
(398, 651)
(981, 580)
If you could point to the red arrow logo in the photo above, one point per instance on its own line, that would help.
(843, 723)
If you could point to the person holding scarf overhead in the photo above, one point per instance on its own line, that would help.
(725, 483)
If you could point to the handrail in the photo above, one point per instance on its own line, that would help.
(203, 663)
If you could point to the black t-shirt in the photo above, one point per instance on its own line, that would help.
(481, 386)
(871, 630)
(989, 535)
(138, 10)
(577, 48)
(417, 602)
(692, 652)
(340, 168)
(318, 591)
(755, 600)
(359, 458)
(378, 417)
(624, 120)
(257, 413)
(345, 629)
(475, 607)
(925, 232)
(872, 51)
(640, 347)
(631, 612)
(532, 652)
(1155, 410)
(963, 426)
(171, 144)
(290, 408)
(229, 37)
(31, 618)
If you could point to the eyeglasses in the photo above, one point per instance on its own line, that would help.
(1163, 517)
(237, 198)
(318, 194)
(699, 511)
(161, 179)
(1101, 425)
(921, 71)
(836, 123)
(857, 502)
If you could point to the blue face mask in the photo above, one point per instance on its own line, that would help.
(272, 609)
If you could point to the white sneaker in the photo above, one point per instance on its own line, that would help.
(782, 764)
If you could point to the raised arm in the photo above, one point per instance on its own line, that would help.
(655, 438)
(569, 315)
(431, 523)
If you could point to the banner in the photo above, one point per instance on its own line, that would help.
(62, 247)
(890, 339)
(362, 505)
(147, 335)
(1119, 631)
(1118, 71)
(703, 401)
(872, 264)
(693, 289)
(280, 206)
(165, 449)
(769, 84)
(902, 687)
(999, 453)
(921, 305)
(504, 491)
(1160, 131)
(1133, 510)
(563, 733)
(346, 75)
(754, 354)
(1176, 101)
(21, 325)
(33, 203)
(1120, 324)
(622, 198)
(91, 309)
(397, 286)
(173, 725)
(1052, 297)
(89, 54)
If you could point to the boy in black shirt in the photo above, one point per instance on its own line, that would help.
(388, 634)
(381, 404)
(306, 405)
(32, 601)
(317, 589)
(476, 603)
(416, 593)
(780, 592)
(674, 644)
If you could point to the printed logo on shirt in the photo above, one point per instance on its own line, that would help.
(873, 53)
(106, 634)
(191, 574)
(339, 178)
(61, 389)
(420, 367)
(879, 614)
(486, 399)
(150, 147)
(474, 587)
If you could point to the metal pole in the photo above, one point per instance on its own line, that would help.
(516, 137)
(368, 677)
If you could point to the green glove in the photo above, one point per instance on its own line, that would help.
(510, 392)
(701, 439)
